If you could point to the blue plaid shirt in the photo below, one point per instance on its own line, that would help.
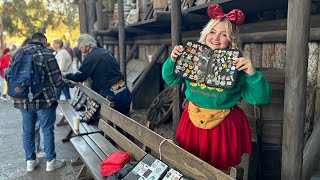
(50, 76)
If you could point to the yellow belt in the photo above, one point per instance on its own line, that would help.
(206, 118)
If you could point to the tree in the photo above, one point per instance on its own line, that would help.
(24, 17)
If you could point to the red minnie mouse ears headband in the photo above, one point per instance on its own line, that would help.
(235, 16)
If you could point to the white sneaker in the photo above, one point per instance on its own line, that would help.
(55, 164)
(32, 164)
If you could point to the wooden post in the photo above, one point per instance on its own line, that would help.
(99, 21)
(82, 16)
(295, 88)
(91, 15)
(176, 19)
(99, 15)
(122, 39)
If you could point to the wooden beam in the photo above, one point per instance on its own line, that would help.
(311, 154)
(132, 52)
(96, 96)
(274, 25)
(295, 88)
(121, 140)
(275, 36)
(122, 39)
(176, 36)
(147, 70)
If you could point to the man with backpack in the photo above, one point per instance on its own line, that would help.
(33, 94)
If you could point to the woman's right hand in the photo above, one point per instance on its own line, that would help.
(177, 50)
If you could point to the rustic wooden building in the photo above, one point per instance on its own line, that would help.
(280, 36)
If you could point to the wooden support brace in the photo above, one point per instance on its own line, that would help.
(76, 162)
(147, 70)
(82, 175)
(68, 137)
(149, 10)
(62, 121)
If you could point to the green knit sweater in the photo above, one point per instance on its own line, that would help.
(254, 89)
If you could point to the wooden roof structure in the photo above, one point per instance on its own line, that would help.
(296, 31)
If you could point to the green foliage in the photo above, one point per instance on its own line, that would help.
(24, 17)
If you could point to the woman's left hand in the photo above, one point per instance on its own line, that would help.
(244, 64)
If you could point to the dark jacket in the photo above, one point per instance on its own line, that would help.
(101, 67)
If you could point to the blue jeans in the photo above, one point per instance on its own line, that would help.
(47, 118)
(37, 136)
(65, 91)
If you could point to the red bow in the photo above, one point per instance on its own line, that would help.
(235, 16)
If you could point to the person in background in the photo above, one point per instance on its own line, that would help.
(13, 48)
(77, 56)
(67, 47)
(212, 126)
(4, 62)
(65, 65)
(48, 46)
(42, 107)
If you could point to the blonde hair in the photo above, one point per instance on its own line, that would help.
(232, 32)
(58, 42)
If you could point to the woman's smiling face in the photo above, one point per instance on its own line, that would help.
(217, 38)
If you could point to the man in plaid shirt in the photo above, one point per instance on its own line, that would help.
(42, 107)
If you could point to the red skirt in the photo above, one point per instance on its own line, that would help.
(221, 146)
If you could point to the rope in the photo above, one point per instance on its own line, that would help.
(161, 144)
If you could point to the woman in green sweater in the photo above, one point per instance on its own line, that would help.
(212, 126)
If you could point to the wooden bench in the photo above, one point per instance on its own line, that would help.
(94, 148)
(69, 113)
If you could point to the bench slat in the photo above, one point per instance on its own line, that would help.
(68, 113)
(104, 145)
(94, 147)
(87, 127)
(95, 127)
(88, 156)
(90, 93)
(135, 151)
(188, 164)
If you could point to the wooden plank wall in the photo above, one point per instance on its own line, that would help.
(272, 55)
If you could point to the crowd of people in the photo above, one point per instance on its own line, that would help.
(221, 144)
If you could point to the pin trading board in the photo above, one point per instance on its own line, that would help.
(199, 63)
(221, 71)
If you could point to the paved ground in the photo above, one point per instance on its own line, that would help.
(12, 159)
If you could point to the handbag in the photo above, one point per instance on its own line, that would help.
(81, 102)
(91, 109)
(76, 98)
(114, 162)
